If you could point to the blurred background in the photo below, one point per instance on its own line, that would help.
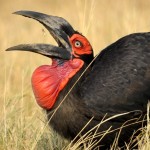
(101, 21)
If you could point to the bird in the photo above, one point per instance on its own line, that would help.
(81, 93)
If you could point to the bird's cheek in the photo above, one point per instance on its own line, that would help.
(82, 51)
(75, 54)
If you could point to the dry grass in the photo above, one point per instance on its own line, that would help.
(22, 121)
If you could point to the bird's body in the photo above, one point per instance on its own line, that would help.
(116, 82)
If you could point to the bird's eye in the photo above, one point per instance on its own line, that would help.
(78, 44)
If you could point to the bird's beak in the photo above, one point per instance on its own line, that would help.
(58, 27)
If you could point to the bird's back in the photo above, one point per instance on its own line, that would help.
(119, 80)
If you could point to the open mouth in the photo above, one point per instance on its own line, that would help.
(58, 27)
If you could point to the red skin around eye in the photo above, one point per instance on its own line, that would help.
(84, 49)
(49, 80)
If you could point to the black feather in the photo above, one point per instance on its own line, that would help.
(117, 82)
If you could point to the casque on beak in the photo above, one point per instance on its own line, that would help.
(58, 27)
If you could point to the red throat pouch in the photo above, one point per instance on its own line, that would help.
(49, 80)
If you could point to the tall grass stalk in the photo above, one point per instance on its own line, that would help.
(23, 124)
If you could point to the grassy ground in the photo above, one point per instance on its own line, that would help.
(22, 122)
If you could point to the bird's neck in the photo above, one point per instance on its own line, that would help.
(49, 80)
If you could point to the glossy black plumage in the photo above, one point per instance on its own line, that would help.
(118, 81)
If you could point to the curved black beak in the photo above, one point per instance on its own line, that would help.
(58, 27)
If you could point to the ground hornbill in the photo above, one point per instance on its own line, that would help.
(78, 90)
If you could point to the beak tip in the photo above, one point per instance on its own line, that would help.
(14, 12)
(14, 48)
(17, 12)
(9, 49)
(22, 13)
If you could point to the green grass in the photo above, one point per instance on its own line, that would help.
(23, 124)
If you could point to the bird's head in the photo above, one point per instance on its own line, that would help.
(71, 44)
(68, 57)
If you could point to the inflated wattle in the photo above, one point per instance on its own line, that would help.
(49, 80)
